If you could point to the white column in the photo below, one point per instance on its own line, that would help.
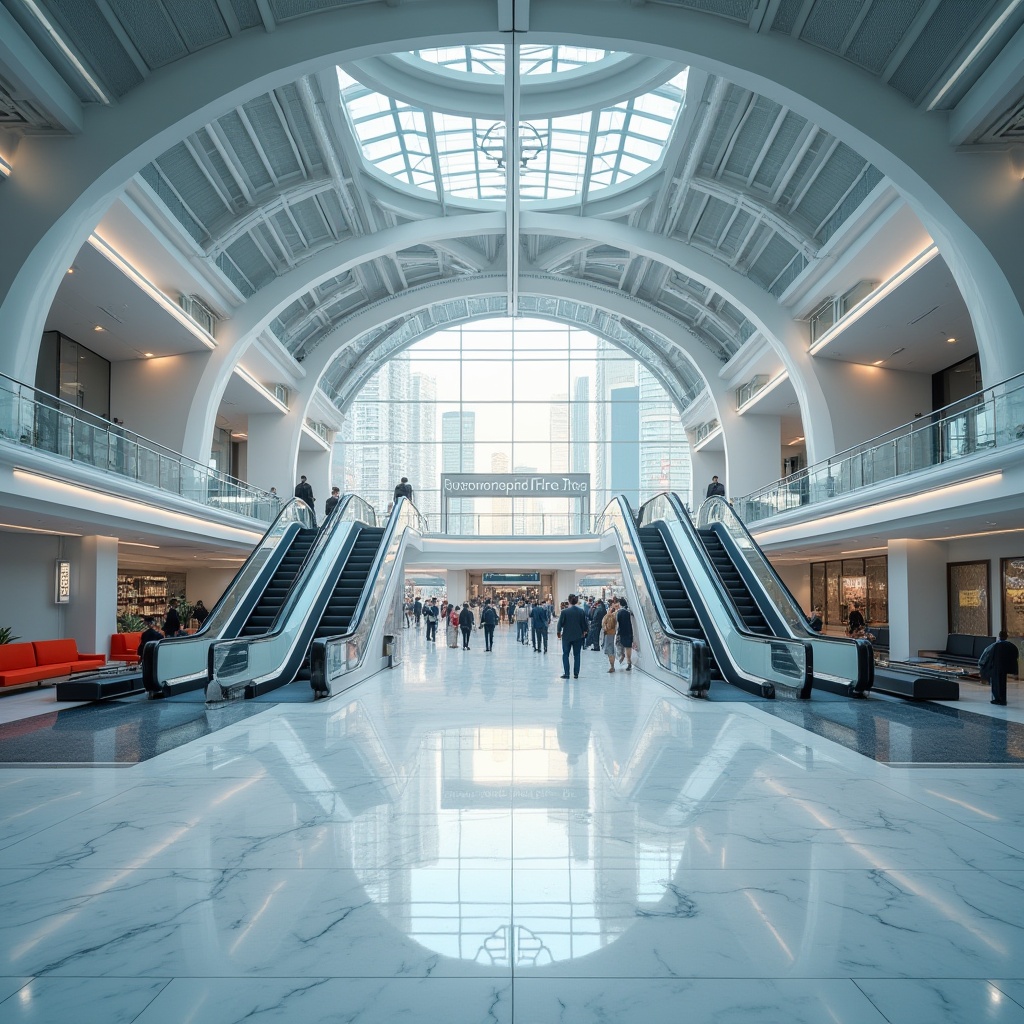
(918, 612)
(564, 583)
(271, 452)
(458, 585)
(753, 447)
(92, 610)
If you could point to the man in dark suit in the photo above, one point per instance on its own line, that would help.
(466, 622)
(715, 488)
(305, 492)
(997, 661)
(572, 631)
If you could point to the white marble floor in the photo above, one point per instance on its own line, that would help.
(469, 839)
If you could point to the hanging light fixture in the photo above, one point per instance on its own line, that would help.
(492, 143)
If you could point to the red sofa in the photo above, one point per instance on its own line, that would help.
(125, 647)
(43, 659)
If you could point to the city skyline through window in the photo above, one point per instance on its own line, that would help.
(512, 396)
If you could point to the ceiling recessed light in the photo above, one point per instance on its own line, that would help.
(951, 341)
(878, 362)
(148, 355)
(98, 328)
(71, 270)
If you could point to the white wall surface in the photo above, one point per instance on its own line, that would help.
(26, 598)
(866, 401)
(207, 585)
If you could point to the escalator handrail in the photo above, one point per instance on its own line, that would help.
(716, 509)
(608, 521)
(647, 515)
(404, 516)
(326, 550)
(222, 617)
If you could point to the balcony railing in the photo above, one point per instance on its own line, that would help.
(988, 420)
(506, 524)
(46, 423)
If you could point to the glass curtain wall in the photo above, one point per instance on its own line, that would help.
(512, 396)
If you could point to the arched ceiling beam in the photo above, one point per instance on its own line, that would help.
(268, 206)
(972, 205)
(749, 202)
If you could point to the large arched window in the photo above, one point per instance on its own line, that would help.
(512, 396)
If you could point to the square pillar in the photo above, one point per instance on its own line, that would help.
(92, 610)
(918, 604)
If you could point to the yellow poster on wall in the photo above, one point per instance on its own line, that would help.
(970, 598)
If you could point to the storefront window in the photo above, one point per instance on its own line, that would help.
(968, 598)
(1013, 596)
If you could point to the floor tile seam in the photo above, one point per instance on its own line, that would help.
(996, 982)
(156, 995)
(949, 815)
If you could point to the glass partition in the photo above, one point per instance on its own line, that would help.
(45, 423)
(988, 420)
(681, 655)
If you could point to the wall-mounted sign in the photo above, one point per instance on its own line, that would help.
(62, 582)
(514, 485)
(970, 598)
(513, 578)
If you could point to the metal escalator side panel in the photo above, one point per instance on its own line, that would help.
(180, 663)
(268, 656)
(332, 656)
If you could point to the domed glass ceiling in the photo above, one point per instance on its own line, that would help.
(490, 60)
(560, 157)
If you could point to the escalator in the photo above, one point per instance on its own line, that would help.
(176, 665)
(742, 598)
(706, 598)
(678, 606)
(337, 615)
(269, 605)
(841, 665)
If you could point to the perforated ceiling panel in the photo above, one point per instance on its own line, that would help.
(96, 41)
(200, 24)
(881, 31)
(828, 24)
(247, 12)
(150, 30)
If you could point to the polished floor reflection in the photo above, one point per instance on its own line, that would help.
(467, 838)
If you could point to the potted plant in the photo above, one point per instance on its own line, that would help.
(7, 635)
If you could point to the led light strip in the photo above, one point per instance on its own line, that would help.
(763, 392)
(869, 302)
(894, 503)
(58, 40)
(36, 529)
(130, 505)
(102, 246)
(265, 392)
(5, 168)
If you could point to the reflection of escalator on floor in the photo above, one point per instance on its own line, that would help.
(262, 616)
(333, 620)
(681, 613)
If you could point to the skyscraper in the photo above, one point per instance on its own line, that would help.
(458, 437)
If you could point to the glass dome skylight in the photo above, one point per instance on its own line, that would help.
(490, 60)
(561, 157)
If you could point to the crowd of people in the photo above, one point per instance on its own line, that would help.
(591, 623)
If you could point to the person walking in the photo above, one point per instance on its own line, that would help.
(453, 626)
(403, 489)
(624, 620)
(572, 631)
(522, 621)
(417, 611)
(332, 501)
(304, 492)
(997, 661)
(431, 613)
(540, 619)
(172, 622)
(597, 614)
(609, 624)
(488, 619)
(200, 613)
(466, 623)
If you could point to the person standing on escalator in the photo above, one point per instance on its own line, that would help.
(403, 489)
(304, 492)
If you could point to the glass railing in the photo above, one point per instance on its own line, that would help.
(836, 659)
(333, 657)
(245, 662)
(176, 663)
(757, 662)
(48, 424)
(974, 426)
(507, 524)
(682, 656)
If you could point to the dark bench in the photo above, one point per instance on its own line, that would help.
(881, 642)
(961, 649)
